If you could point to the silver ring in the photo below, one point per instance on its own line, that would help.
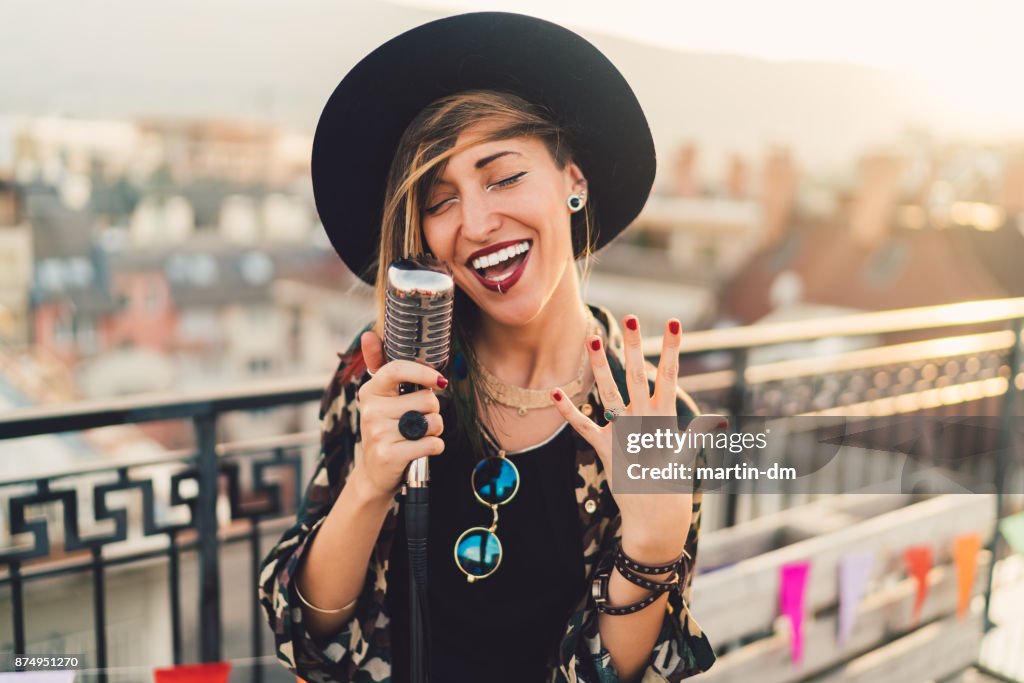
(412, 425)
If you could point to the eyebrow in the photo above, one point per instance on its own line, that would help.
(488, 159)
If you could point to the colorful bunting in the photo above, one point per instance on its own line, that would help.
(854, 572)
(965, 557)
(918, 560)
(213, 672)
(793, 584)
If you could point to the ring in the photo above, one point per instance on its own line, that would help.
(412, 425)
(610, 414)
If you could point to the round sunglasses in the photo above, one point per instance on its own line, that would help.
(495, 481)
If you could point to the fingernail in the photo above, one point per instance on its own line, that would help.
(557, 395)
(595, 344)
(722, 425)
(441, 382)
(631, 324)
(673, 326)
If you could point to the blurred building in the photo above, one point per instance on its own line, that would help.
(16, 265)
(72, 305)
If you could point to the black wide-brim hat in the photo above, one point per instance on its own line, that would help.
(542, 62)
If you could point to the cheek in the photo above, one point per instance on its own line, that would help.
(437, 242)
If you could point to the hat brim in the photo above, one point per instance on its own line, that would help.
(544, 63)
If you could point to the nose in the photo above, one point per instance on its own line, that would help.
(479, 219)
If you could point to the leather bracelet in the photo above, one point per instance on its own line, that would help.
(674, 565)
(599, 591)
(644, 582)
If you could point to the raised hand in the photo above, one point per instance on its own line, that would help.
(655, 525)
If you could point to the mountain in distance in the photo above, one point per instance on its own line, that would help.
(263, 59)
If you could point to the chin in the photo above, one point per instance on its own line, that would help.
(516, 308)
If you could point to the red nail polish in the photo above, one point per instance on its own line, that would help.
(595, 344)
(441, 382)
(673, 326)
(722, 425)
(557, 395)
(631, 324)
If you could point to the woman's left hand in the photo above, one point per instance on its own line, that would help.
(654, 525)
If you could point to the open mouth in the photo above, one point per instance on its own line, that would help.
(502, 268)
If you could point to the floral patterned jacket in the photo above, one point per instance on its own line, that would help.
(361, 652)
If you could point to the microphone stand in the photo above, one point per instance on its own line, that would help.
(416, 525)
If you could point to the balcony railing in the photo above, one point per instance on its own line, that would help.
(201, 502)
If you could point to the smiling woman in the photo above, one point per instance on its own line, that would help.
(505, 165)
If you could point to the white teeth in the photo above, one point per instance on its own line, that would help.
(497, 257)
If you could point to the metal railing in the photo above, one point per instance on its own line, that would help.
(979, 358)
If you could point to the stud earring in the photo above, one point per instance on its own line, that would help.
(575, 201)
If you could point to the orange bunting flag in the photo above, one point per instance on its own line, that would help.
(212, 672)
(965, 556)
(918, 559)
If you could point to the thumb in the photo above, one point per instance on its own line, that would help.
(373, 351)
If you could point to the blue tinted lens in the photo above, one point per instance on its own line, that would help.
(495, 480)
(478, 552)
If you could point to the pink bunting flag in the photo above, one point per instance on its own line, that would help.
(854, 572)
(1012, 528)
(793, 585)
(213, 672)
(918, 560)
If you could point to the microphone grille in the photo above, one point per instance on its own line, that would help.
(418, 309)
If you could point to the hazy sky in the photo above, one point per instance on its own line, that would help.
(968, 50)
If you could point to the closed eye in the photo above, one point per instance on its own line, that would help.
(507, 182)
(437, 207)
(511, 180)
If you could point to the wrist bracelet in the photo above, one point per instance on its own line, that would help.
(599, 591)
(644, 582)
(628, 561)
(313, 607)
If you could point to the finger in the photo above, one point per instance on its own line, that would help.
(583, 425)
(407, 451)
(373, 351)
(422, 401)
(386, 380)
(667, 381)
(611, 398)
(636, 374)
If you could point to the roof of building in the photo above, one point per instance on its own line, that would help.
(912, 268)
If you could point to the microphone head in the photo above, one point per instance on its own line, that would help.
(418, 308)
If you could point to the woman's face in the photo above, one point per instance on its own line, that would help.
(498, 217)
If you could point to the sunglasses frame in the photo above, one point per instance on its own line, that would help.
(492, 530)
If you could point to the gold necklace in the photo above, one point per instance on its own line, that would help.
(523, 399)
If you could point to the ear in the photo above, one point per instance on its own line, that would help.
(577, 181)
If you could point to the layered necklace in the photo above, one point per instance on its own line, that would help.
(523, 399)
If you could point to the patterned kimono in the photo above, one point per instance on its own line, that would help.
(361, 651)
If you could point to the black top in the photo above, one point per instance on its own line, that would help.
(507, 626)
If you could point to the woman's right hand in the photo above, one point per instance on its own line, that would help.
(386, 453)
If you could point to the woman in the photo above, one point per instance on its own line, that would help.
(507, 148)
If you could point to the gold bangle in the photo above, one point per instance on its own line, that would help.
(317, 609)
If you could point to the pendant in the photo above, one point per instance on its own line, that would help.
(521, 411)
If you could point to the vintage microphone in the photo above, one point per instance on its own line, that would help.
(418, 309)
